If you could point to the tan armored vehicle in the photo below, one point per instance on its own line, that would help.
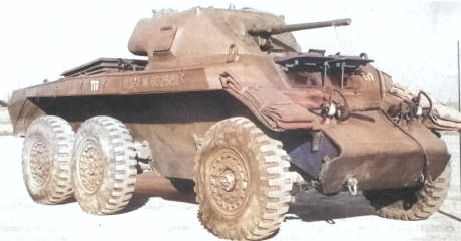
(226, 99)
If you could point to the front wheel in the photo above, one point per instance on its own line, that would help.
(415, 203)
(104, 170)
(242, 181)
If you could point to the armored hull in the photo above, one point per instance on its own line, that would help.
(240, 111)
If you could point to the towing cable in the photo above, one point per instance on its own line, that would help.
(449, 215)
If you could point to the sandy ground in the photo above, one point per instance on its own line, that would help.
(5, 126)
(158, 212)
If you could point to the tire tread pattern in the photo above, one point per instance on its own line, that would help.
(121, 165)
(429, 199)
(59, 189)
(275, 180)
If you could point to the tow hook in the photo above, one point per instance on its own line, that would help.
(351, 185)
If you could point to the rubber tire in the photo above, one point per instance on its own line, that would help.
(412, 204)
(265, 202)
(104, 170)
(51, 138)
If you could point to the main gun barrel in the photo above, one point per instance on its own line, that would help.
(300, 26)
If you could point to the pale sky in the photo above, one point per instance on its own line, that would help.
(415, 40)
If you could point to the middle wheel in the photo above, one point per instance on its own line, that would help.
(104, 170)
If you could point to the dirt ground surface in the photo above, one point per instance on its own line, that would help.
(159, 212)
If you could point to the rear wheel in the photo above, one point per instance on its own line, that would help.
(415, 203)
(242, 181)
(46, 160)
(104, 170)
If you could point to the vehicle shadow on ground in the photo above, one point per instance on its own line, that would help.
(149, 185)
(309, 206)
(312, 206)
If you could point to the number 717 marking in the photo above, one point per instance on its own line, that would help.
(94, 85)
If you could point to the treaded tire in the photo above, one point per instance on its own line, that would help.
(242, 181)
(104, 170)
(46, 160)
(412, 203)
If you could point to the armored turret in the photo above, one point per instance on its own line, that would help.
(213, 36)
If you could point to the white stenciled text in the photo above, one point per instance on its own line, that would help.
(94, 85)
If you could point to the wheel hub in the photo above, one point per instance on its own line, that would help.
(229, 181)
(91, 167)
(40, 163)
